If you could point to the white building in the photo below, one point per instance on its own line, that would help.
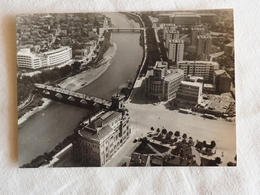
(203, 69)
(168, 27)
(176, 50)
(190, 92)
(171, 35)
(27, 59)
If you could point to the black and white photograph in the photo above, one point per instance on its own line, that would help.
(124, 89)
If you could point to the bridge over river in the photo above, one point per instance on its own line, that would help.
(126, 29)
(67, 96)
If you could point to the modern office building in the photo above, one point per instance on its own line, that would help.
(176, 50)
(170, 35)
(101, 136)
(190, 92)
(194, 34)
(168, 27)
(162, 83)
(204, 43)
(221, 81)
(203, 69)
(27, 59)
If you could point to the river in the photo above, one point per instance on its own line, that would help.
(45, 129)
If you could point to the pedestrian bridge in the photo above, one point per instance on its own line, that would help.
(126, 29)
(65, 95)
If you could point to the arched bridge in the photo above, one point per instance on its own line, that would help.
(68, 96)
(126, 29)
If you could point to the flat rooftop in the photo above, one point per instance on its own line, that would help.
(193, 84)
(176, 41)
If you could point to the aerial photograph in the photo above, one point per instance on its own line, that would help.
(123, 89)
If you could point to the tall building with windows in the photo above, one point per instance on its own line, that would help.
(204, 43)
(176, 50)
(203, 69)
(168, 27)
(171, 35)
(162, 83)
(190, 92)
(101, 136)
(194, 34)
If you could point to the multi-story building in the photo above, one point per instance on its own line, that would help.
(203, 69)
(229, 48)
(57, 56)
(176, 50)
(102, 135)
(162, 83)
(27, 59)
(185, 18)
(204, 43)
(208, 18)
(168, 27)
(190, 92)
(170, 35)
(194, 34)
(221, 81)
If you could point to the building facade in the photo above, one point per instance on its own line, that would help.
(176, 50)
(102, 136)
(204, 43)
(222, 81)
(170, 35)
(168, 27)
(194, 34)
(27, 59)
(190, 92)
(162, 83)
(203, 69)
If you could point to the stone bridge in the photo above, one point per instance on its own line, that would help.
(72, 97)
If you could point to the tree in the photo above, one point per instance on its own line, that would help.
(158, 130)
(177, 134)
(152, 128)
(184, 136)
(169, 134)
(164, 131)
(212, 144)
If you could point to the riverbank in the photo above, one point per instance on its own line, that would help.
(34, 110)
(86, 77)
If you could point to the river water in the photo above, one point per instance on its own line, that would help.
(45, 129)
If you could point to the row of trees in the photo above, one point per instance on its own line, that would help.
(26, 83)
(47, 156)
(152, 48)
